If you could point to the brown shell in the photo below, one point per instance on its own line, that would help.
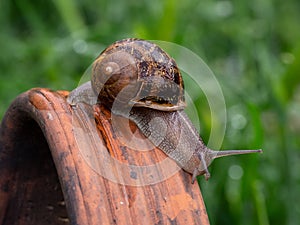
(150, 75)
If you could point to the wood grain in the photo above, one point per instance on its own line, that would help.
(70, 165)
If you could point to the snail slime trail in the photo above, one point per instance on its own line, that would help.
(145, 83)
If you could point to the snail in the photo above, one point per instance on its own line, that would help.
(136, 79)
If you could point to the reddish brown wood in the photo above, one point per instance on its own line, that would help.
(52, 169)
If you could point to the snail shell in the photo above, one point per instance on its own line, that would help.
(151, 77)
(144, 83)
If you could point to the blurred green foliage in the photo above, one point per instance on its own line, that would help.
(253, 47)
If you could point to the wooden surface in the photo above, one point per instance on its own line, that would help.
(71, 165)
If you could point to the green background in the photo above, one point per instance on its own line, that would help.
(253, 48)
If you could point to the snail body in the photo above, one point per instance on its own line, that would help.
(138, 80)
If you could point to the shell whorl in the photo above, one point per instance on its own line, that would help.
(112, 72)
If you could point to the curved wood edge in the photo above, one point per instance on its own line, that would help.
(126, 187)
